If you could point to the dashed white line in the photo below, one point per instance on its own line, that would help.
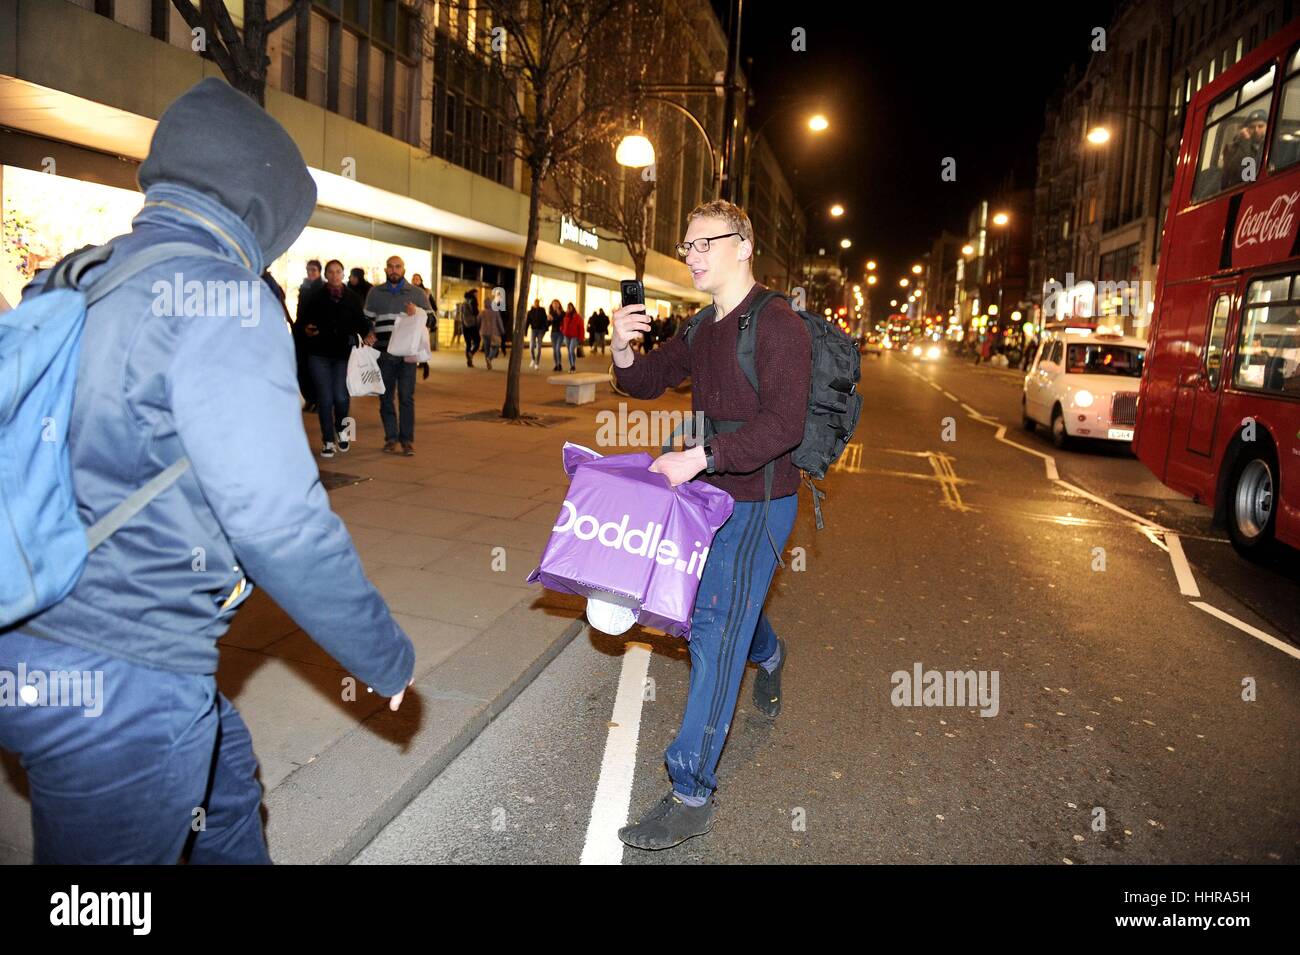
(617, 767)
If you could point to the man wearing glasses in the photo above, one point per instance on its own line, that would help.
(728, 625)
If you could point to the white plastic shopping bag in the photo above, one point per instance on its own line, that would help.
(364, 378)
(408, 332)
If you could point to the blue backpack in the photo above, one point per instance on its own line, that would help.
(43, 543)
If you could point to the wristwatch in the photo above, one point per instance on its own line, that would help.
(708, 459)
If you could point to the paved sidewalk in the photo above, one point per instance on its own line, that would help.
(432, 531)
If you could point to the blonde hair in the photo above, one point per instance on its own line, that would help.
(728, 212)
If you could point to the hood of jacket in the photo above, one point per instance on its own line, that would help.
(218, 142)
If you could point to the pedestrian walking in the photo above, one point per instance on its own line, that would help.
(357, 282)
(555, 316)
(335, 322)
(383, 305)
(213, 399)
(491, 329)
(468, 311)
(429, 323)
(536, 329)
(728, 625)
(310, 284)
(572, 331)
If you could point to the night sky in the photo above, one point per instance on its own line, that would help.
(905, 86)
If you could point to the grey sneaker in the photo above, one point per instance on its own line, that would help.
(767, 687)
(670, 822)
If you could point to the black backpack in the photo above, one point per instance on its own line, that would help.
(834, 404)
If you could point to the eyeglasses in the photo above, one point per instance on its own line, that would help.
(701, 244)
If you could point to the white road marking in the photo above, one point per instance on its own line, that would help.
(1114, 507)
(614, 790)
(949, 394)
(1182, 570)
(1161, 536)
(1049, 462)
(1247, 628)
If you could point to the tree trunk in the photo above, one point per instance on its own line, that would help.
(511, 407)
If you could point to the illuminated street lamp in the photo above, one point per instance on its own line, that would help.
(1000, 219)
(968, 249)
(903, 283)
(635, 151)
(845, 244)
(871, 280)
(837, 210)
(916, 270)
(871, 265)
(818, 123)
(1098, 135)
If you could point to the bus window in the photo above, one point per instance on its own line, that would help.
(1286, 137)
(1268, 345)
(1214, 346)
(1232, 145)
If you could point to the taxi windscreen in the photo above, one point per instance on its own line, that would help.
(1098, 359)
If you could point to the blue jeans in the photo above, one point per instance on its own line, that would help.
(727, 627)
(331, 379)
(399, 376)
(557, 342)
(123, 786)
(573, 350)
(535, 345)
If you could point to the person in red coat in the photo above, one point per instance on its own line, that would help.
(573, 332)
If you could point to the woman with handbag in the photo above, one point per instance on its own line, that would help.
(332, 318)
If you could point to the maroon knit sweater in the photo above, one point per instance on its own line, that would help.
(775, 422)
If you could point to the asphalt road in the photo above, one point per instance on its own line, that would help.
(1119, 732)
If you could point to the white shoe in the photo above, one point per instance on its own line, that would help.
(328, 450)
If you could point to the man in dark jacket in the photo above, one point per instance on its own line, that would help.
(357, 282)
(168, 763)
(306, 385)
(728, 625)
(536, 329)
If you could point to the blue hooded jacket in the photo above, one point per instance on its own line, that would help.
(155, 384)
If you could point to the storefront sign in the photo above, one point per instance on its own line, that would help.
(570, 231)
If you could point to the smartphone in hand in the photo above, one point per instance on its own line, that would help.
(632, 291)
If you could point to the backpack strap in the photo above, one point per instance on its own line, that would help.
(746, 356)
(70, 273)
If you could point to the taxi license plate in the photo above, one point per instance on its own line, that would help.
(1120, 434)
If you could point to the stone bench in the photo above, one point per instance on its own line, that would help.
(579, 389)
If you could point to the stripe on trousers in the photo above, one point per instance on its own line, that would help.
(727, 651)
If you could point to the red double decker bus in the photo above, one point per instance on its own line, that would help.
(1219, 405)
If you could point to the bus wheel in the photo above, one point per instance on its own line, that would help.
(1060, 437)
(1252, 496)
(1028, 423)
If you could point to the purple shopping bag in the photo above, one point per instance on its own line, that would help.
(625, 536)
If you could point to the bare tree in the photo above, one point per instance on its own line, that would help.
(241, 54)
(552, 115)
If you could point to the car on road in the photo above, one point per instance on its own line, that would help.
(1083, 383)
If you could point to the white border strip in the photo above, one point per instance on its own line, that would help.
(1248, 629)
(614, 790)
(1182, 570)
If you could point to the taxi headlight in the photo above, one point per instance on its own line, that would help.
(932, 352)
(1083, 398)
